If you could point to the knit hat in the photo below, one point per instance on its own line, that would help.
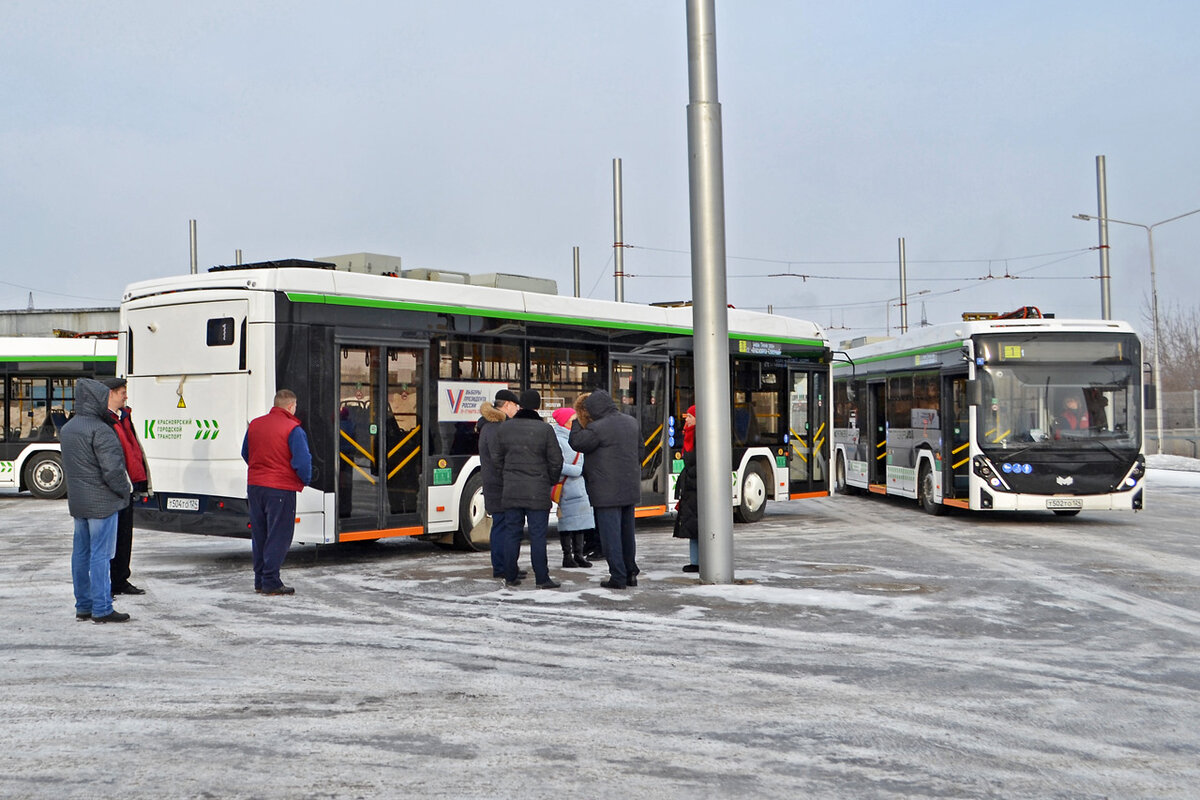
(113, 383)
(530, 400)
(691, 410)
(506, 396)
(563, 415)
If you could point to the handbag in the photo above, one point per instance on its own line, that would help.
(557, 489)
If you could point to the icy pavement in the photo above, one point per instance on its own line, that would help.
(868, 651)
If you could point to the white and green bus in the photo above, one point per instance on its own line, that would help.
(390, 373)
(975, 415)
(38, 396)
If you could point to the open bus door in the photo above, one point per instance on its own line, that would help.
(381, 440)
(640, 389)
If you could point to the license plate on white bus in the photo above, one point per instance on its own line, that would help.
(183, 504)
(1064, 502)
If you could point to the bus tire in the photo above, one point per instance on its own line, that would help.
(44, 476)
(1066, 512)
(839, 476)
(925, 493)
(754, 495)
(474, 532)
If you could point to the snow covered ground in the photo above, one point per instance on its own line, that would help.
(868, 650)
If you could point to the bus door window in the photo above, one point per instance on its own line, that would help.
(402, 431)
(640, 390)
(359, 427)
(808, 433)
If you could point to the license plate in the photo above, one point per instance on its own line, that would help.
(1064, 502)
(183, 504)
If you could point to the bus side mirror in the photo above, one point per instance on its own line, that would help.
(1149, 401)
(974, 393)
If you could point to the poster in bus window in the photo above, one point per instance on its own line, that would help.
(459, 401)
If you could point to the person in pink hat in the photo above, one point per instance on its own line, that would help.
(575, 518)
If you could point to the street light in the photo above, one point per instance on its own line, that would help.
(1158, 407)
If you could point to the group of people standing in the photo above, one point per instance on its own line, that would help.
(592, 451)
(586, 462)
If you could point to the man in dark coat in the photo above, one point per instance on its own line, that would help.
(98, 488)
(526, 456)
(612, 473)
(492, 414)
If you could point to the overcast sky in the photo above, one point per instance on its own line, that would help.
(479, 137)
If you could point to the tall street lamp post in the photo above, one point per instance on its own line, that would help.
(1158, 406)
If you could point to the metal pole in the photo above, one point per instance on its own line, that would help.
(618, 236)
(903, 290)
(710, 314)
(1102, 201)
(237, 254)
(192, 238)
(575, 254)
(1158, 409)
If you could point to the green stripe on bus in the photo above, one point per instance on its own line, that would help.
(370, 302)
(917, 351)
(53, 359)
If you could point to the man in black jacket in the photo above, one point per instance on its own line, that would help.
(492, 414)
(612, 473)
(526, 456)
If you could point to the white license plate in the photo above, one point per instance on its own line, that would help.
(183, 504)
(1064, 502)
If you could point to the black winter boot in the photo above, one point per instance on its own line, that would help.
(568, 557)
(580, 559)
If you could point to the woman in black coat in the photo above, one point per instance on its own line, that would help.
(687, 519)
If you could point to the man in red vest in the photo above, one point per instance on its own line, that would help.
(135, 465)
(280, 464)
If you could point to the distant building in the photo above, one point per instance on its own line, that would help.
(62, 321)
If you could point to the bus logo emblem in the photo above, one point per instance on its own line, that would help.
(1067, 481)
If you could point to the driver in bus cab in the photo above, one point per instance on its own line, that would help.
(1071, 417)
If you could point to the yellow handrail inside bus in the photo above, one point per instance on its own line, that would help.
(657, 447)
(657, 431)
(402, 441)
(365, 474)
(357, 447)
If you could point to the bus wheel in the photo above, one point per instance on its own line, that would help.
(44, 476)
(1066, 512)
(754, 495)
(926, 495)
(474, 530)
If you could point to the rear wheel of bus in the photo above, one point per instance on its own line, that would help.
(44, 476)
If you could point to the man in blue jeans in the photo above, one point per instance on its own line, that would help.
(492, 414)
(98, 488)
(279, 463)
(526, 456)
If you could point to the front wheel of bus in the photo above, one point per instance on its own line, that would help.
(839, 478)
(474, 530)
(754, 495)
(44, 476)
(926, 496)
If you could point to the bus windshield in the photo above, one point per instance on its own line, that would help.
(1059, 391)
